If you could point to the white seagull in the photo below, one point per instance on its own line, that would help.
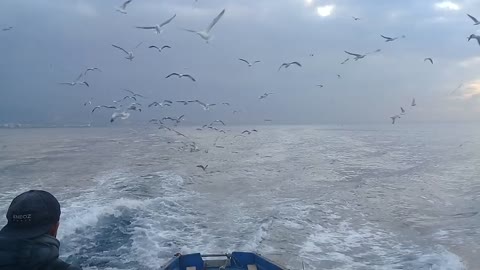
(265, 95)
(205, 34)
(475, 21)
(180, 75)
(91, 69)
(217, 121)
(122, 8)
(206, 107)
(103, 106)
(473, 36)
(286, 65)
(158, 28)
(77, 81)
(133, 94)
(159, 49)
(402, 109)
(355, 18)
(248, 63)
(129, 54)
(121, 115)
(394, 118)
(390, 39)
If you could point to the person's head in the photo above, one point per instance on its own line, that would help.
(32, 214)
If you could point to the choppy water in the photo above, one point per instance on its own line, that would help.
(351, 197)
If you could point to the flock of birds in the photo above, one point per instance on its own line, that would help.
(123, 110)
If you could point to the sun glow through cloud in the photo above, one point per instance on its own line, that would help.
(325, 11)
(448, 5)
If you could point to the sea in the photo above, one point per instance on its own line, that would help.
(404, 196)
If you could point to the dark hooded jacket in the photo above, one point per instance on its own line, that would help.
(40, 253)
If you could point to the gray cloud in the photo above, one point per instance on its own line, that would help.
(53, 41)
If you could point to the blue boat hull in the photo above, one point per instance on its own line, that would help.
(233, 261)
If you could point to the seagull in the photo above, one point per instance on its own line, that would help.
(206, 107)
(355, 18)
(103, 106)
(226, 103)
(474, 37)
(167, 101)
(121, 115)
(180, 75)
(403, 110)
(7, 28)
(158, 28)
(394, 118)
(254, 130)
(357, 56)
(202, 167)
(344, 61)
(246, 131)
(133, 93)
(91, 69)
(130, 55)
(267, 120)
(217, 121)
(235, 112)
(476, 22)
(320, 85)
(286, 65)
(176, 120)
(338, 76)
(265, 95)
(77, 81)
(134, 107)
(159, 49)
(125, 97)
(248, 63)
(205, 34)
(389, 39)
(413, 103)
(89, 102)
(185, 102)
(428, 59)
(122, 8)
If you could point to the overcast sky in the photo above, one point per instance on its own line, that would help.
(54, 40)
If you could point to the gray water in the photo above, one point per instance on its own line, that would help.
(334, 197)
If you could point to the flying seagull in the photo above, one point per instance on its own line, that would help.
(355, 18)
(428, 59)
(205, 34)
(217, 121)
(158, 28)
(134, 107)
(473, 36)
(202, 167)
(248, 63)
(103, 106)
(344, 61)
(91, 69)
(338, 76)
(206, 107)
(476, 22)
(394, 118)
(176, 120)
(357, 56)
(122, 8)
(320, 85)
(133, 93)
(161, 104)
(246, 131)
(402, 109)
(77, 81)
(265, 95)
(180, 75)
(89, 102)
(184, 102)
(226, 103)
(286, 65)
(159, 49)
(129, 54)
(390, 39)
(7, 28)
(121, 115)
(125, 97)
(414, 103)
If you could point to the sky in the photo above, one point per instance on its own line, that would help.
(53, 41)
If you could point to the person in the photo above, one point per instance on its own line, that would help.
(28, 241)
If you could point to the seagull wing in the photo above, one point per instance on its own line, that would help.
(120, 48)
(257, 61)
(166, 46)
(473, 18)
(173, 74)
(428, 59)
(145, 27)
(201, 103)
(108, 107)
(138, 45)
(124, 5)
(189, 76)
(168, 21)
(96, 107)
(129, 91)
(215, 21)
(180, 117)
(385, 37)
(282, 65)
(79, 77)
(296, 63)
(243, 60)
(354, 54)
(153, 46)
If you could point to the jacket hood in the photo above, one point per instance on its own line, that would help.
(28, 253)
